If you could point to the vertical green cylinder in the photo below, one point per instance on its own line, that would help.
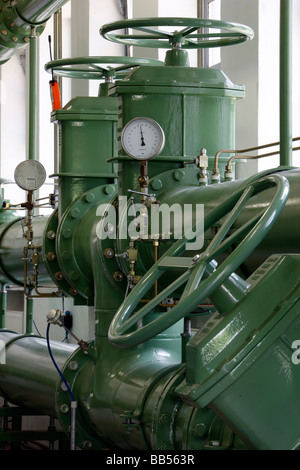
(3, 305)
(29, 314)
(195, 108)
(286, 83)
(32, 125)
(88, 128)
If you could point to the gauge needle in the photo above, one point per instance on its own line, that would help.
(142, 138)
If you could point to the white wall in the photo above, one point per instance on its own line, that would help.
(256, 64)
(13, 122)
(240, 63)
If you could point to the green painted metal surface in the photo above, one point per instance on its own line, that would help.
(77, 227)
(242, 364)
(3, 305)
(286, 110)
(33, 109)
(88, 132)
(186, 105)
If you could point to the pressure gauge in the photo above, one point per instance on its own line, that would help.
(30, 175)
(142, 138)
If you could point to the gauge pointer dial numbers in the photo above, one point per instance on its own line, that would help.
(142, 138)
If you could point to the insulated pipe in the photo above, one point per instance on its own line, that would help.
(286, 82)
(37, 11)
(17, 19)
(29, 377)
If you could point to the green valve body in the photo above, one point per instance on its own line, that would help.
(245, 365)
(194, 107)
(88, 128)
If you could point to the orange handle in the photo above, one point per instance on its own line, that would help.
(55, 95)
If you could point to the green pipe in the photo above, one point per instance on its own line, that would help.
(3, 305)
(23, 369)
(286, 82)
(33, 96)
(88, 128)
(29, 314)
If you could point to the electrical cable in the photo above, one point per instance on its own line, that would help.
(56, 366)
(36, 328)
(73, 401)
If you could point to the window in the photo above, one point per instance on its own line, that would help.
(210, 57)
(214, 13)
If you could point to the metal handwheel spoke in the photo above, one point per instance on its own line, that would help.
(214, 35)
(98, 68)
(155, 32)
(188, 30)
(230, 219)
(197, 289)
(236, 236)
(152, 303)
(194, 279)
(199, 268)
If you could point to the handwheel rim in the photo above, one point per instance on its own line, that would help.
(62, 67)
(234, 33)
(208, 286)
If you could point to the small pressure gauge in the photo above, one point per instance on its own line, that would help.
(142, 138)
(30, 175)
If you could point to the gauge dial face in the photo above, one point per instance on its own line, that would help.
(30, 175)
(142, 138)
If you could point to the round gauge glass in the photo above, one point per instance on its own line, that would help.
(30, 175)
(143, 138)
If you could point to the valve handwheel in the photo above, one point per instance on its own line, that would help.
(185, 33)
(97, 67)
(196, 289)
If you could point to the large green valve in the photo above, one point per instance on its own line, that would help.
(88, 129)
(147, 382)
(186, 102)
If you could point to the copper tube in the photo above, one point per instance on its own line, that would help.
(251, 149)
(254, 157)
